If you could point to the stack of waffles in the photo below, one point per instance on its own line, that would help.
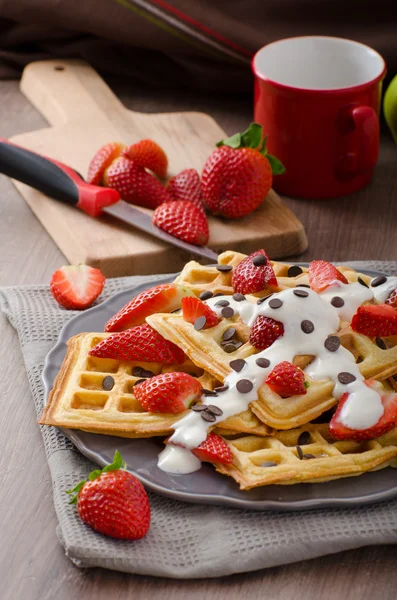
(272, 439)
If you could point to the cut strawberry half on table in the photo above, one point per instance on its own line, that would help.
(184, 221)
(287, 380)
(76, 287)
(322, 274)
(149, 155)
(102, 160)
(186, 186)
(214, 450)
(254, 274)
(194, 308)
(168, 392)
(375, 320)
(163, 298)
(264, 332)
(141, 343)
(388, 420)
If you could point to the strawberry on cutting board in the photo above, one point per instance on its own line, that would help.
(186, 186)
(254, 274)
(194, 308)
(162, 298)
(168, 392)
(149, 155)
(76, 286)
(287, 380)
(113, 502)
(102, 160)
(375, 320)
(265, 331)
(322, 274)
(183, 220)
(214, 449)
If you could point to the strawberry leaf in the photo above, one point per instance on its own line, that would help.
(276, 164)
(252, 137)
(233, 142)
(117, 463)
(75, 491)
(94, 475)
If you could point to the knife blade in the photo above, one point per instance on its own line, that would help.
(62, 183)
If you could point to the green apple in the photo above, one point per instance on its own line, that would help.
(390, 107)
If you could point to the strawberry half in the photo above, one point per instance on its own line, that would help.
(388, 420)
(101, 161)
(141, 343)
(214, 450)
(392, 299)
(193, 308)
(254, 274)
(322, 274)
(149, 155)
(76, 287)
(184, 221)
(287, 380)
(186, 186)
(375, 320)
(168, 392)
(162, 298)
(265, 331)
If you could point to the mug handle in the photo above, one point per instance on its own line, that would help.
(363, 146)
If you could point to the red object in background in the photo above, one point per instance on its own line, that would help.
(317, 99)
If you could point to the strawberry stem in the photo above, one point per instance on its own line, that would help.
(118, 463)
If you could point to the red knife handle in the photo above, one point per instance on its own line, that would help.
(54, 179)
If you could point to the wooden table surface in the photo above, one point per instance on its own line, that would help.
(32, 562)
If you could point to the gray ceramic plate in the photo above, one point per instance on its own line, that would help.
(205, 486)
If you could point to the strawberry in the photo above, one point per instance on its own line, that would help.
(392, 299)
(113, 502)
(193, 308)
(265, 331)
(287, 380)
(149, 155)
(168, 392)
(214, 449)
(134, 184)
(375, 320)
(388, 420)
(76, 287)
(322, 274)
(183, 220)
(141, 343)
(254, 274)
(102, 160)
(238, 175)
(186, 186)
(162, 298)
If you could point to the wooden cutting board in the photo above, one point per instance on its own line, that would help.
(84, 114)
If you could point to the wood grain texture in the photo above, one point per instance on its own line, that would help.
(32, 562)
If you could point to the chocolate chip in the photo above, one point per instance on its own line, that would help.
(238, 344)
(303, 285)
(308, 456)
(206, 392)
(259, 260)
(199, 407)
(380, 343)
(263, 362)
(215, 410)
(337, 301)
(224, 268)
(218, 294)
(304, 438)
(222, 303)
(229, 334)
(237, 365)
(206, 295)
(294, 270)
(300, 452)
(378, 281)
(200, 323)
(244, 386)
(307, 326)
(137, 371)
(227, 312)
(238, 297)
(332, 343)
(223, 388)
(268, 463)
(207, 416)
(229, 348)
(346, 378)
(139, 381)
(107, 383)
(301, 293)
(361, 280)
(275, 303)
(261, 300)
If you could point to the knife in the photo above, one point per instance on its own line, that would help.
(62, 183)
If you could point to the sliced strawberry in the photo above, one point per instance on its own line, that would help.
(168, 392)
(141, 343)
(102, 160)
(254, 274)
(183, 220)
(149, 155)
(265, 331)
(214, 450)
(162, 298)
(76, 287)
(287, 380)
(388, 420)
(194, 308)
(322, 274)
(375, 320)
(186, 186)
(392, 299)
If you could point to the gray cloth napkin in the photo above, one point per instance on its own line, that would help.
(185, 540)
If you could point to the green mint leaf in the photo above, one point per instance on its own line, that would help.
(233, 142)
(276, 164)
(252, 137)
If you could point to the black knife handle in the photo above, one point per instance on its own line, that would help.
(54, 179)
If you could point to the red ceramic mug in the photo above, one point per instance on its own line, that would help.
(318, 99)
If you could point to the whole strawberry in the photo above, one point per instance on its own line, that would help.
(238, 175)
(184, 221)
(113, 502)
